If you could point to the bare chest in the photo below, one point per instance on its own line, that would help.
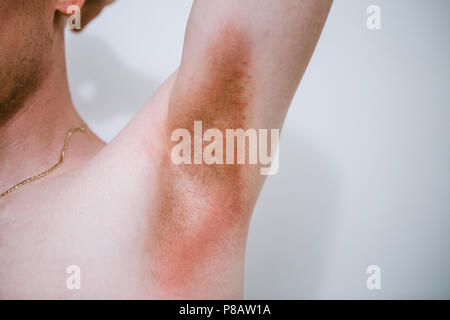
(64, 246)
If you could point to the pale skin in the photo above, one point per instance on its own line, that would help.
(138, 225)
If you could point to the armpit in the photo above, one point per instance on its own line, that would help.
(205, 209)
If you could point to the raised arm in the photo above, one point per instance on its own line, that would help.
(242, 63)
(248, 57)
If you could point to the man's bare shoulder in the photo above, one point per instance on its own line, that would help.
(118, 213)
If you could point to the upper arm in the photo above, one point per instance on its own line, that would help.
(241, 65)
(246, 58)
(242, 62)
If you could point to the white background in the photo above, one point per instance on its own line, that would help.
(364, 162)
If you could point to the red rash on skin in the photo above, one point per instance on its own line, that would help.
(206, 208)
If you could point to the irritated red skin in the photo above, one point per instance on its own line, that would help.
(205, 209)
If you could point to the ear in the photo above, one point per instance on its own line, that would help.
(66, 7)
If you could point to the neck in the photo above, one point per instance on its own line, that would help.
(31, 140)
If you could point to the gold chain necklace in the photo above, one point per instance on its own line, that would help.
(53, 168)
